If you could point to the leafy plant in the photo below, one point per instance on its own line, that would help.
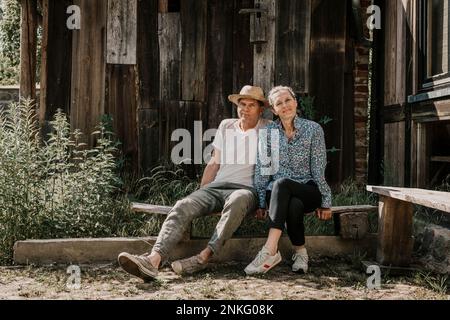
(58, 188)
(308, 111)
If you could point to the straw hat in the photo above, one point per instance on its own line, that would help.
(249, 92)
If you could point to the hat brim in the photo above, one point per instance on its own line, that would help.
(236, 97)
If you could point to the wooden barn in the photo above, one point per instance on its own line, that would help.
(412, 136)
(156, 66)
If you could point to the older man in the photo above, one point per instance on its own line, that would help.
(226, 186)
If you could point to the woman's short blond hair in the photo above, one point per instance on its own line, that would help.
(277, 89)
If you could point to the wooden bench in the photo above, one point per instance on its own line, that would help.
(348, 220)
(395, 220)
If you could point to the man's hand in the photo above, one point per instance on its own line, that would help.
(324, 213)
(261, 214)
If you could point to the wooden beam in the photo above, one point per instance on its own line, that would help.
(106, 250)
(28, 42)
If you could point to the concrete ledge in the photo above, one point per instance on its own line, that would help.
(105, 250)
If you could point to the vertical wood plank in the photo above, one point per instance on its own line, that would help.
(400, 87)
(394, 153)
(121, 105)
(242, 49)
(28, 42)
(148, 133)
(264, 61)
(169, 31)
(423, 155)
(148, 53)
(55, 60)
(395, 223)
(193, 64)
(327, 69)
(88, 67)
(220, 61)
(122, 32)
(148, 82)
(293, 37)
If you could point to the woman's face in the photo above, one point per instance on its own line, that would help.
(284, 105)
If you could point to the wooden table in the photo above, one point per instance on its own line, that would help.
(395, 220)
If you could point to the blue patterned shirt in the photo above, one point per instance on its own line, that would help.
(302, 158)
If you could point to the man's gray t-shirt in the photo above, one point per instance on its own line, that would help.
(238, 151)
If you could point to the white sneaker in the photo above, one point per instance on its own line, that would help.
(263, 262)
(300, 261)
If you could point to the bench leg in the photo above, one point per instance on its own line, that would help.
(395, 227)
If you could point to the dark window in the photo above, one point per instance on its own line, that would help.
(435, 42)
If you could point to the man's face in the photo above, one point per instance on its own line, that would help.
(249, 109)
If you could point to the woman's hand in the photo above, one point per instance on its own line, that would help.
(324, 213)
(261, 214)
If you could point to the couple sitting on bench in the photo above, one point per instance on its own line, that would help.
(283, 167)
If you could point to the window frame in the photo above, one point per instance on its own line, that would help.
(434, 82)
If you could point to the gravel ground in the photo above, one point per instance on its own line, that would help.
(327, 279)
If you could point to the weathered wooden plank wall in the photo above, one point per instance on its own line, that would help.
(88, 66)
(327, 63)
(190, 58)
(56, 58)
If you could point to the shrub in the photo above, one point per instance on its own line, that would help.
(58, 188)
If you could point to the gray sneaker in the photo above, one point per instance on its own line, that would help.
(300, 261)
(188, 265)
(138, 266)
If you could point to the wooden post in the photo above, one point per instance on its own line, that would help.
(395, 227)
(28, 40)
(264, 61)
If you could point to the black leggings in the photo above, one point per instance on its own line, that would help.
(289, 201)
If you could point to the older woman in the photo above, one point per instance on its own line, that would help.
(298, 184)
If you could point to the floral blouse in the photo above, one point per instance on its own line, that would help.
(302, 158)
